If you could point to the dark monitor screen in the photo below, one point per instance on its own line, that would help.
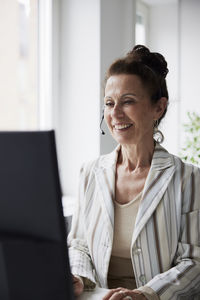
(33, 249)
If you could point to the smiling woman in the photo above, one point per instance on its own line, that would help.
(132, 230)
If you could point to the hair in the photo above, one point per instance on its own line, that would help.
(151, 67)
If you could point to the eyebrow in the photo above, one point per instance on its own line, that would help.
(124, 95)
(128, 94)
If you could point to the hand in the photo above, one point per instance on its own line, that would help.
(78, 285)
(125, 294)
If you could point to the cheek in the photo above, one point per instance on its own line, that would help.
(134, 114)
(142, 118)
(107, 118)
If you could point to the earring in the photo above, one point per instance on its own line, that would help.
(155, 125)
(157, 134)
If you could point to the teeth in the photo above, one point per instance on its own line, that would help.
(122, 126)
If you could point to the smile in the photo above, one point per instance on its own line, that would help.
(122, 126)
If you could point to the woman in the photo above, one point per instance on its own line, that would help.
(136, 226)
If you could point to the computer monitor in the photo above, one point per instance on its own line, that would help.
(34, 261)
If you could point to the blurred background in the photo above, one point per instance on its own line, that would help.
(53, 58)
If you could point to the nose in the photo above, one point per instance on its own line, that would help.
(117, 111)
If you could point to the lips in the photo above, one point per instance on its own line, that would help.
(122, 126)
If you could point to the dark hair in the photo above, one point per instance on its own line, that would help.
(151, 67)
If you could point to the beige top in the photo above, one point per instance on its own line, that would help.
(125, 216)
(120, 269)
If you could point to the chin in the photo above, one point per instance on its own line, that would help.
(124, 140)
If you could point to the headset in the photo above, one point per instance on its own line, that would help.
(102, 118)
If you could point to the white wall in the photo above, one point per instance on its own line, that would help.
(78, 124)
(174, 31)
(163, 38)
(189, 58)
(117, 38)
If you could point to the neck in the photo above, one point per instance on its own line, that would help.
(136, 157)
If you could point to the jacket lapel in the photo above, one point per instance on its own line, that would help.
(105, 178)
(160, 174)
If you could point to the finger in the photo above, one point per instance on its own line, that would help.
(110, 293)
(119, 295)
(78, 286)
(134, 295)
(76, 280)
(139, 295)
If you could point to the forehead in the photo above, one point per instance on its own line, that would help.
(124, 83)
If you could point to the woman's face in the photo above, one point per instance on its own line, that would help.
(129, 113)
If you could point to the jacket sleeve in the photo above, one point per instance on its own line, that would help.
(182, 281)
(80, 260)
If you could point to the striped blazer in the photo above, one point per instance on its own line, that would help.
(165, 249)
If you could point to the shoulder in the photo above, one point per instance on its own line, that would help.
(190, 168)
(105, 161)
(187, 178)
(163, 158)
(185, 170)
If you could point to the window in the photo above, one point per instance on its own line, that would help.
(25, 60)
(141, 32)
(18, 61)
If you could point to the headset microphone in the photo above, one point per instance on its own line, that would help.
(101, 130)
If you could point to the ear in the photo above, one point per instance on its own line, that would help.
(160, 107)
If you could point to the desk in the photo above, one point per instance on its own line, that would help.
(96, 294)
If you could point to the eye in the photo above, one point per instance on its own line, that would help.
(129, 101)
(109, 103)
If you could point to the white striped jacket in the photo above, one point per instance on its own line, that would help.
(165, 247)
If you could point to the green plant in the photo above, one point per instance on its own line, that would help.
(191, 149)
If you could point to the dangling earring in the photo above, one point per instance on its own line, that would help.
(157, 134)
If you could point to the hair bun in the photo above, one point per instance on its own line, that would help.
(140, 49)
(153, 60)
(160, 64)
